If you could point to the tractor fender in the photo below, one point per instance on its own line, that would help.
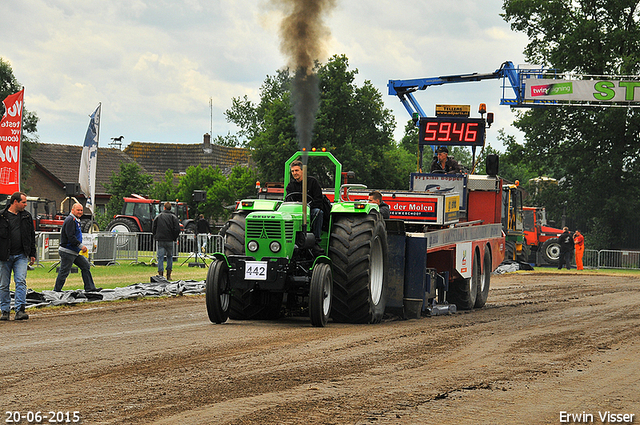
(321, 259)
(220, 256)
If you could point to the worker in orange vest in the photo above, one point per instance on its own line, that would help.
(578, 241)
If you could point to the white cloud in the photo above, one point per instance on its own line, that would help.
(154, 64)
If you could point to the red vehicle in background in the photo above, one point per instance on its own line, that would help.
(541, 238)
(138, 213)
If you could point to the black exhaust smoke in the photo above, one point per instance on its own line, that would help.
(302, 33)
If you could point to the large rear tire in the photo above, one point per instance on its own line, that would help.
(217, 292)
(88, 227)
(234, 234)
(123, 225)
(358, 249)
(320, 294)
(551, 251)
(485, 280)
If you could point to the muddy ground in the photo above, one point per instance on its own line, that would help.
(544, 344)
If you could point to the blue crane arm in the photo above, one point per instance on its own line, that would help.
(404, 88)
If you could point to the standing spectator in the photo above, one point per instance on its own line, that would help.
(69, 250)
(202, 229)
(17, 249)
(578, 241)
(566, 248)
(165, 229)
(375, 197)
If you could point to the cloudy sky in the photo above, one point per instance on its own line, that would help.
(155, 64)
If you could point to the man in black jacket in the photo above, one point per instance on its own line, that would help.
(566, 248)
(375, 197)
(314, 192)
(165, 229)
(17, 251)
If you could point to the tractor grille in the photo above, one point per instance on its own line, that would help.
(260, 229)
(288, 231)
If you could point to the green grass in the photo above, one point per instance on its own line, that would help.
(114, 276)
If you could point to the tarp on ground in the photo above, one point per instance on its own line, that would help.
(159, 288)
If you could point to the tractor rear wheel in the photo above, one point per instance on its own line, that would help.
(320, 294)
(551, 251)
(234, 234)
(123, 225)
(217, 292)
(358, 249)
(88, 227)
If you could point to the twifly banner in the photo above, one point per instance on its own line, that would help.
(625, 91)
(89, 159)
(10, 143)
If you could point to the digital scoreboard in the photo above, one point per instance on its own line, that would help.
(457, 131)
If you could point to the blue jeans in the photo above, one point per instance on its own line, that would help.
(18, 264)
(165, 248)
(66, 261)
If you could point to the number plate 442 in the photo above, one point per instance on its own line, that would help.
(255, 270)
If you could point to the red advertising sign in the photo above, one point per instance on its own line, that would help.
(10, 142)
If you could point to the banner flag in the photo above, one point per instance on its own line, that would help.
(89, 159)
(594, 91)
(11, 143)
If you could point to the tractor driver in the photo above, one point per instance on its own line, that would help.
(314, 192)
(444, 164)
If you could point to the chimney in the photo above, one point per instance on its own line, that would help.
(206, 145)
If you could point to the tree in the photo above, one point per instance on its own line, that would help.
(166, 189)
(129, 180)
(591, 151)
(10, 85)
(222, 191)
(351, 122)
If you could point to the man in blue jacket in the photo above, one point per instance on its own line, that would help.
(17, 250)
(69, 250)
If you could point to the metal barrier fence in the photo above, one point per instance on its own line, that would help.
(611, 259)
(114, 248)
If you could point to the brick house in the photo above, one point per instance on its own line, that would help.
(157, 158)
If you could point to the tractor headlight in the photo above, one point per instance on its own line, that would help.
(253, 246)
(275, 246)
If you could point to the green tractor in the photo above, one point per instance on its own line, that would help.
(268, 267)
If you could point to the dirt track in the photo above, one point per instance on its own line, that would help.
(544, 344)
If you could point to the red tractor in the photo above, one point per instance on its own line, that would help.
(541, 238)
(138, 213)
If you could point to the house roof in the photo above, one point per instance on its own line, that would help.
(157, 158)
(62, 163)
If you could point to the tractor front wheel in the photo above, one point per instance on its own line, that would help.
(320, 294)
(217, 292)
